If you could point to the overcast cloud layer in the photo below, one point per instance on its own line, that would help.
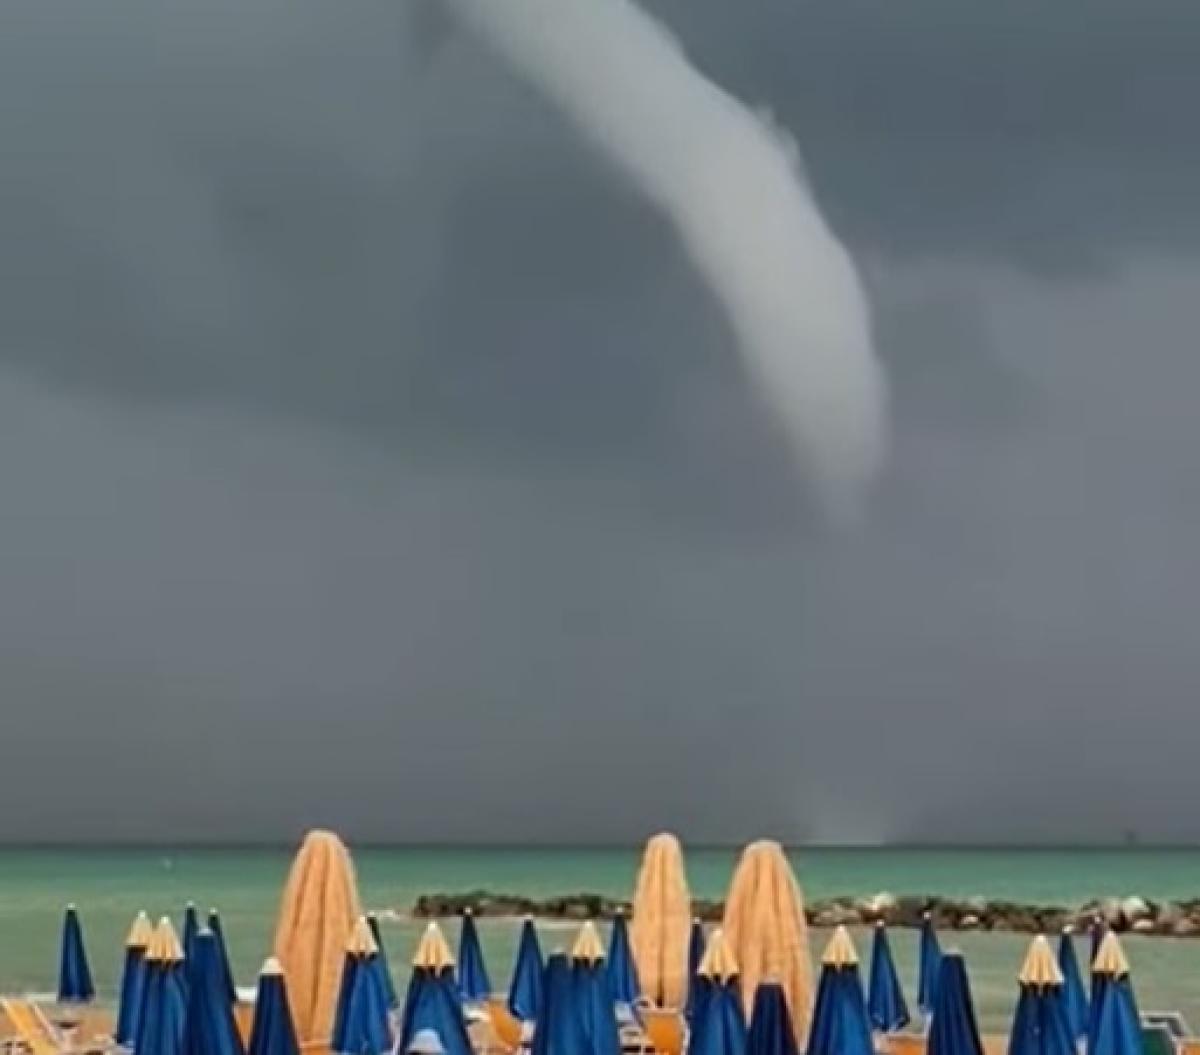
(370, 454)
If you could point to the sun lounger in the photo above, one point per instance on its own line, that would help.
(664, 1030)
(31, 1027)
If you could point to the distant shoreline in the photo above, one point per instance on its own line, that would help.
(1133, 914)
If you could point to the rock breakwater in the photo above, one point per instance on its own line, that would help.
(1176, 918)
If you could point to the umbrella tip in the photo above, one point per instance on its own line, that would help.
(70, 906)
(271, 966)
(468, 911)
(879, 924)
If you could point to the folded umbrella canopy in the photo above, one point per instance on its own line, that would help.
(191, 927)
(164, 1003)
(1040, 1023)
(214, 925)
(771, 1030)
(1075, 999)
(1115, 1025)
(718, 1021)
(525, 992)
(360, 1021)
(953, 1030)
(317, 912)
(381, 963)
(839, 1023)
(662, 913)
(767, 931)
(695, 955)
(432, 1001)
(929, 965)
(559, 1029)
(473, 982)
(74, 975)
(133, 980)
(622, 972)
(595, 1005)
(885, 999)
(209, 1026)
(273, 1031)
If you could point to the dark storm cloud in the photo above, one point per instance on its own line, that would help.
(350, 404)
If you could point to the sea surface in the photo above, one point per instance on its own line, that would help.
(110, 886)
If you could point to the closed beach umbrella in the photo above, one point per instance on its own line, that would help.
(273, 1031)
(885, 999)
(593, 995)
(559, 1029)
(1040, 1023)
(953, 1030)
(133, 980)
(317, 912)
(718, 1021)
(1115, 1025)
(695, 955)
(1075, 1000)
(218, 931)
(432, 1001)
(662, 914)
(1096, 931)
(839, 1022)
(360, 1023)
(191, 927)
(525, 993)
(622, 973)
(164, 1003)
(771, 1029)
(473, 981)
(74, 974)
(381, 962)
(209, 1027)
(767, 931)
(929, 966)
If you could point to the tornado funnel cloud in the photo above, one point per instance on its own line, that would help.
(731, 185)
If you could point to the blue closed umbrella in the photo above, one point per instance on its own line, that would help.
(191, 927)
(133, 981)
(473, 981)
(929, 966)
(594, 1003)
(164, 1003)
(885, 998)
(209, 1027)
(1096, 931)
(432, 1003)
(718, 1025)
(273, 1031)
(695, 955)
(771, 1031)
(1114, 1027)
(381, 963)
(218, 932)
(1040, 1025)
(622, 972)
(525, 993)
(839, 1022)
(953, 1030)
(74, 975)
(360, 1022)
(1074, 996)
(559, 1029)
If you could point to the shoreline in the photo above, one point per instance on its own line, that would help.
(1180, 919)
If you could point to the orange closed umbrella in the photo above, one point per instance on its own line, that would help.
(661, 924)
(317, 914)
(766, 930)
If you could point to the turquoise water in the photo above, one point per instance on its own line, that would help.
(109, 886)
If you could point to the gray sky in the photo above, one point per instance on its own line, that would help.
(371, 456)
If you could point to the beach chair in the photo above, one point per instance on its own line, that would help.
(506, 1028)
(664, 1029)
(31, 1027)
